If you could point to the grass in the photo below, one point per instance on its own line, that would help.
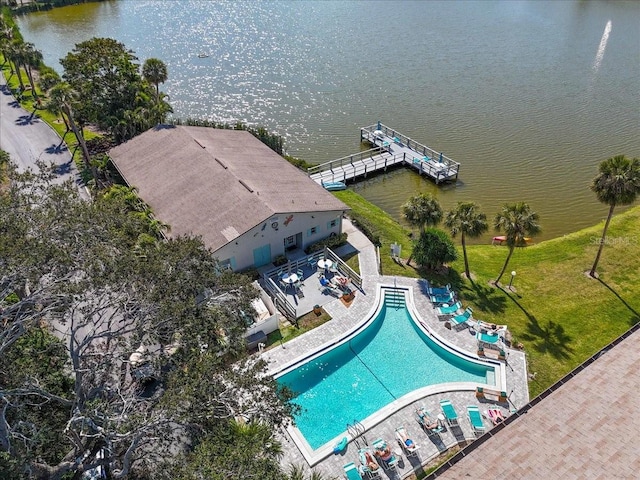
(305, 323)
(559, 314)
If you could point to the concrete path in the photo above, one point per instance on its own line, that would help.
(27, 139)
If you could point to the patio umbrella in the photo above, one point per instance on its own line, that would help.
(440, 157)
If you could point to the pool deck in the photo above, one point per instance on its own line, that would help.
(344, 319)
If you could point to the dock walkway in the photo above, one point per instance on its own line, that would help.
(390, 149)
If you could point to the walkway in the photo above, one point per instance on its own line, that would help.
(343, 319)
(28, 139)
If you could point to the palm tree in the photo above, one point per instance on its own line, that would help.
(31, 58)
(518, 222)
(154, 71)
(467, 220)
(422, 211)
(617, 183)
(62, 98)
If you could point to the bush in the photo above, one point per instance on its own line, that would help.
(366, 228)
(332, 241)
(279, 260)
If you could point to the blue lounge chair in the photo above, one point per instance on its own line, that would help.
(369, 463)
(462, 319)
(450, 310)
(429, 424)
(352, 472)
(446, 298)
(488, 337)
(391, 461)
(449, 412)
(446, 290)
(475, 419)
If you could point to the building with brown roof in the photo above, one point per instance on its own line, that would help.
(583, 427)
(247, 203)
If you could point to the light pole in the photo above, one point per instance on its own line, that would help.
(513, 274)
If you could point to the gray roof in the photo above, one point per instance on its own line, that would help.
(587, 428)
(215, 183)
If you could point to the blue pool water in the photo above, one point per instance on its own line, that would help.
(385, 361)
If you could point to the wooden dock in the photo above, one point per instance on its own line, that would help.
(390, 149)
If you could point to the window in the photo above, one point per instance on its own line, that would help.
(290, 241)
(312, 231)
(332, 224)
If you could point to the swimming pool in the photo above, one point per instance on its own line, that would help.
(381, 361)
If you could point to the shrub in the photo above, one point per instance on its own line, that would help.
(332, 241)
(279, 260)
(366, 228)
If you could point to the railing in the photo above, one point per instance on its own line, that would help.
(279, 299)
(345, 269)
(347, 161)
(412, 144)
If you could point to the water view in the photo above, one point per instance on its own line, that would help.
(529, 96)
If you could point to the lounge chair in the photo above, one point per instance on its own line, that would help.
(475, 419)
(449, 412)
(351, 472)
(429, 424)
(450, 310)
(495, 416)
(389, 461)
(462, 319)
(490, 338)
(369, 463)
(439, 290)
(409, 447)
(445, 298)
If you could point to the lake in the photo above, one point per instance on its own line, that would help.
(529, 96)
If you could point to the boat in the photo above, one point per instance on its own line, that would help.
(333, 186)
(203, 55)
(499, 240)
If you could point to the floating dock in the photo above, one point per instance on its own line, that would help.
(390, 149)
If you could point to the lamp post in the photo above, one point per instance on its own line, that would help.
(513, 274)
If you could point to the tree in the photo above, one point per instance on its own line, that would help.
(31, 58)
(422, 211)
(154, 71)
(70, 265)
(518, 222)
(62, 99)
(434, 248)
(617, 183)
(467, 220)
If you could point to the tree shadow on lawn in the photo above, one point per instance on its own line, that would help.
(635, 318)
(486, 298)
(550, 338)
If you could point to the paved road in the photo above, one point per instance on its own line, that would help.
(27, 138)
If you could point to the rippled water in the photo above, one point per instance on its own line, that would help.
(528, 96)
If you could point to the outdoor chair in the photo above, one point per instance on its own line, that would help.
(409, 447)
(430, 425)
(449, 412)
(495, 416)
(440, 299)
(370, 465)
(446, 290)
(389, 462)
(475, 419)
(351, 472)
(450, 310)
(461, 320)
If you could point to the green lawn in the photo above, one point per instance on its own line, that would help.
(559, 314)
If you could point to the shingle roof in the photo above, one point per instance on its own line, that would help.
(215, 183)
(587, 428)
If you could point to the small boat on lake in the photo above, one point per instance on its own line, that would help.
(203, 55)
(500, 240)
(334, 186)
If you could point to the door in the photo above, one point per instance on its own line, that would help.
(262, 255)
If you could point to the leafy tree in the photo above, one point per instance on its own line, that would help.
(518, 222)
(617, 183)
(71, 265)
(113, 94)
(422, 211)
(434, 248)
(467, 220)
(31, 58)
(154, 71)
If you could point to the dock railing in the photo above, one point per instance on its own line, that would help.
(371, 156)
(367, 132)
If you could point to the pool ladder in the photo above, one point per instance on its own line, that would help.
(356, 430)
(394, 298)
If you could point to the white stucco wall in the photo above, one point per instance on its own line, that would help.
(274, 231)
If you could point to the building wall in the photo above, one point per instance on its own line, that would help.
(302, 229)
